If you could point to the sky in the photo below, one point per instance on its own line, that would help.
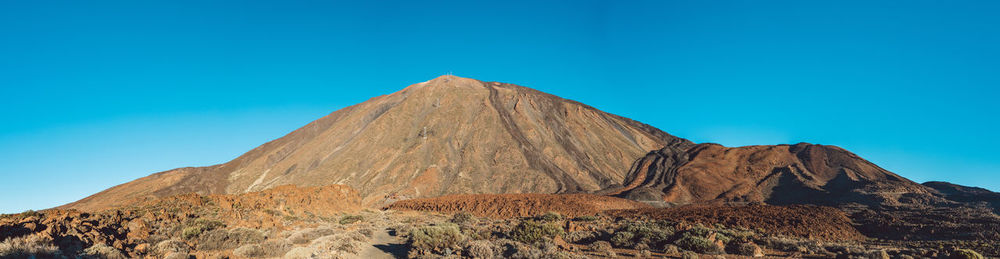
(97, 93)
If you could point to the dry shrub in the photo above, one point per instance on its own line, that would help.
(350, 219)
(482, 249)
(435, 238)
(698, 244)
(747, 249)
(198, 226)
(103, 251)
(28, 246)
(550, 216)
(965, 254)
(878, 254)
(539, 250)
(171, 246)
(300, 252)
(530, 231)
(270, 248)
(177, 256)
(649, 233)
(221, 239)
(581, 237)
(463, 218)
(304, 236)
(339, 245)
(344, 245)
(602, 247)
(623, 239)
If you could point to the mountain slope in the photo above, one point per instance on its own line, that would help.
(780, 174)
(445, 136)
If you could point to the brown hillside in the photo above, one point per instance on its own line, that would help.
(444, 136)
(781, 174)
(518, 205)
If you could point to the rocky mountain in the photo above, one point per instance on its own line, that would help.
(780, 174)
(448, 135)
(880, 203)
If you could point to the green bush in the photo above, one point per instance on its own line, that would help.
(209, 224)
(722, 237)
(585, 218)
(550, 216)
(689, 255)
(198, 226)
(435, 238)
(530, 231)
(623, 239)
(191, 232)
(463, 218)
(350, 219)
(653, 234)
(476, 233)
(965, 254)
(746, 249)
(698, 244)
(30, 213)
(700, 231)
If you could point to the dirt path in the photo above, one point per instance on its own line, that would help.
(384, 243)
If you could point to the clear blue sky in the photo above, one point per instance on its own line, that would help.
(97, 93)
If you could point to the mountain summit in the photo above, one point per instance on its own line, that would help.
(444, 136)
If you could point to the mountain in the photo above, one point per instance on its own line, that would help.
(448, 135)
(880, 203)
(780, 174)
(967, 194)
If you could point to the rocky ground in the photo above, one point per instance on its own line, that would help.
(518, 205)
(328, 222)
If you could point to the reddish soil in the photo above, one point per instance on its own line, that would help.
(132, 228)
(518, 205)
(263, 209)
(797, 220)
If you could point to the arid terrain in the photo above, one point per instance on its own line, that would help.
(456, 167)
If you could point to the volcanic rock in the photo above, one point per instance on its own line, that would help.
(781, 174)
(445, 136)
